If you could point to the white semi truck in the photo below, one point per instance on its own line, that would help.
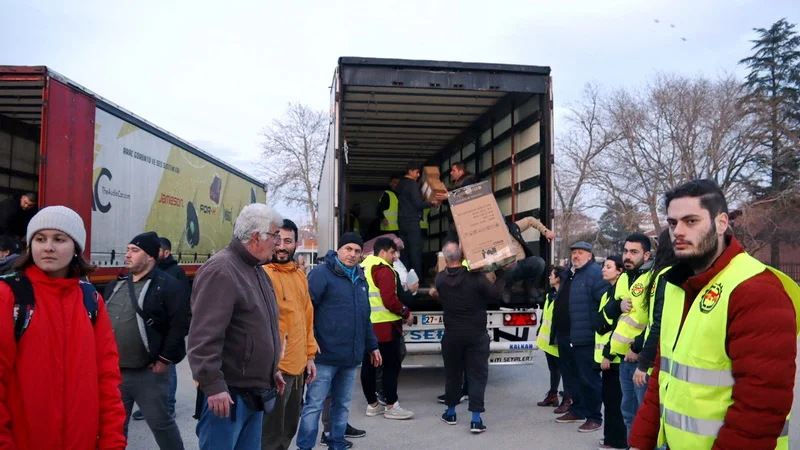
(495, 118)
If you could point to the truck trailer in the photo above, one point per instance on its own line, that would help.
(495, 118)
(120, 173)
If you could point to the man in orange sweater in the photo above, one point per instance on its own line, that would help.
(296, 324)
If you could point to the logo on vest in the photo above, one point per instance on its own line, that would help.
(637, 289)
(710, 298)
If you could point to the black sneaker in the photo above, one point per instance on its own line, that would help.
(351, 432)
(323, 441)
(449, 419)
(137, 415)
(477, 427)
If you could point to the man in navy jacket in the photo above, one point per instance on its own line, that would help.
(574, 325)
(343, 332)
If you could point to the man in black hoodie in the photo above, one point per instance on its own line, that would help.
(465, 344)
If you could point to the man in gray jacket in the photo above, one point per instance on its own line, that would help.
(234, 308)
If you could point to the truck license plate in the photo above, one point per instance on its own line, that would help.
(431, 320)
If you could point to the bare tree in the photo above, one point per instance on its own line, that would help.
(585, 138)
(677, 129)
(293, 151)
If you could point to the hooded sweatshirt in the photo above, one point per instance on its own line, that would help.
(59, 385)
(296, 316)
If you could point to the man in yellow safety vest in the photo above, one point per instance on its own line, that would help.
(726, 368)
(388, 207)
(628, 337)
(387, 315)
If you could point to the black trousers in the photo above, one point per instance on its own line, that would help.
(411, 234)
(616, 434)
(392, 355)
(470, 354)
(555, 373)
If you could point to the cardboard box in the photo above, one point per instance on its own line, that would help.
(481, 227)
(431, 183)
(440, 262)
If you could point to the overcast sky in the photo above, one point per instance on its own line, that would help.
(215, 73)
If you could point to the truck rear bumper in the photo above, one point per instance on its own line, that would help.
(429, 354)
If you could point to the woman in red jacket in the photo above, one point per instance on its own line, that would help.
(59, 380)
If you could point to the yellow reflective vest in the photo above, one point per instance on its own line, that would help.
(391, 213)
(543, 338)
(379, 313)
(630, 325)
(696, 378)
(600, 340)
(423, 223)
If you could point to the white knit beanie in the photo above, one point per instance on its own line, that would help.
(58, 218)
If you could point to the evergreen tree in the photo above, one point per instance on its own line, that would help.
(772, 97)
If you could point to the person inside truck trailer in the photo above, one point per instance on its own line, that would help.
(64, 348)
(386, 213)
(459, 177)
(15, 213)
(411, 205)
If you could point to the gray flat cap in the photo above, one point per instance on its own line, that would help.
(581, 245)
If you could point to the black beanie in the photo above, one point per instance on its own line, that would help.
(148, 242)
(350, 238)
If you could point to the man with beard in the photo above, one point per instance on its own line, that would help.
(150, 323)
(296, 325)
(628, 337)
(168, 265)
(725, 373)
(15, 213)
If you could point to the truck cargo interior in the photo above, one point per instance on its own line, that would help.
(20, 130)
(493, 118)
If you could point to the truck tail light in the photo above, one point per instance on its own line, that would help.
(519, 319)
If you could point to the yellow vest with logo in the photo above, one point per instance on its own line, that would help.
(378, 313)
(630, 325)
(652, 305)
(391, 213)
(696, 379)
(424, 222)
(543, 338)
(600, 340)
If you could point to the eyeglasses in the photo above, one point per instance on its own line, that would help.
(274, 236)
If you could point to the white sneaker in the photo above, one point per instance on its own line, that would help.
(377, 410)
(397, 413)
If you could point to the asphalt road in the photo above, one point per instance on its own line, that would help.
(512, 417)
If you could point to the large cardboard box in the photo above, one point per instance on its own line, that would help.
(431, 183)
(481, 227)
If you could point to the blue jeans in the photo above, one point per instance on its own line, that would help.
(241, 431)
(581, 381)
(173, 387)
(339, 381)
(632, 395)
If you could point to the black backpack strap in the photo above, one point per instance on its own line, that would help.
(91, 299)
(23, 301)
